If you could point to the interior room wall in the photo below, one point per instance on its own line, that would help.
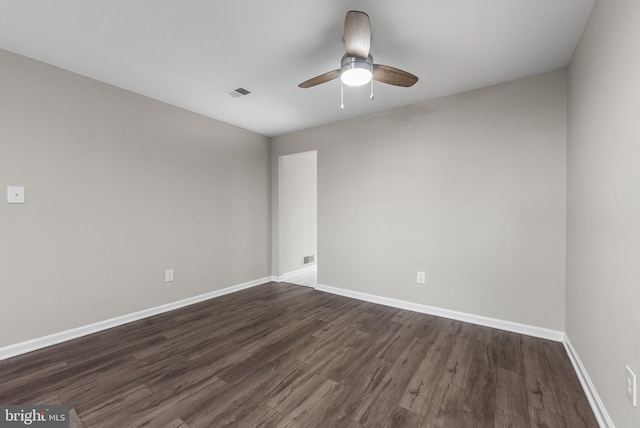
(119, 188)
(468, 188)
(298, 210)
(603, 243)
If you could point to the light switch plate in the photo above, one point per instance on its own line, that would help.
(15, 194)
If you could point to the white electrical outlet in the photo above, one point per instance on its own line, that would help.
(168, 275)
(15, 194)
(632, 387)
(421, 278)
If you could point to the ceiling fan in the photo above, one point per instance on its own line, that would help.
(357, 67)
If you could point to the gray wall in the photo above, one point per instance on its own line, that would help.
(469, 188)
(297, 183)
(119, 188)
(603, 241)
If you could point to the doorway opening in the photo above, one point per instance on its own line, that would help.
(298, 218)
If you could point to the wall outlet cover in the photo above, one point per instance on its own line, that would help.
(168, 275)
(15, 194)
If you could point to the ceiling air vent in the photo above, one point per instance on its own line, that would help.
(239, 92)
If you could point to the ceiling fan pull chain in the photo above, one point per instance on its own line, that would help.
(371, 90)
(341, 95)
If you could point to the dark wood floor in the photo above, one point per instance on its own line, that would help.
(284, 355)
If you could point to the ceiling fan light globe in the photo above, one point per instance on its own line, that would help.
(356, 71)
(356, 76)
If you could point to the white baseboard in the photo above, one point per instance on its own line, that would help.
(529, 330)
(63, 336)
(589, 389)
(301, 271)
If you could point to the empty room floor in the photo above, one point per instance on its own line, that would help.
(286, 355)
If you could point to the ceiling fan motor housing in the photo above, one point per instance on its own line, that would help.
(355, 70)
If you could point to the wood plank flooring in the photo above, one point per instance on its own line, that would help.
(280, 355)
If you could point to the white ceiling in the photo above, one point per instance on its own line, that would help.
(189, 53)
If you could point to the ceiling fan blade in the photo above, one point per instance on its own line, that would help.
(357, 34)
(320, 79)
(393, 76)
